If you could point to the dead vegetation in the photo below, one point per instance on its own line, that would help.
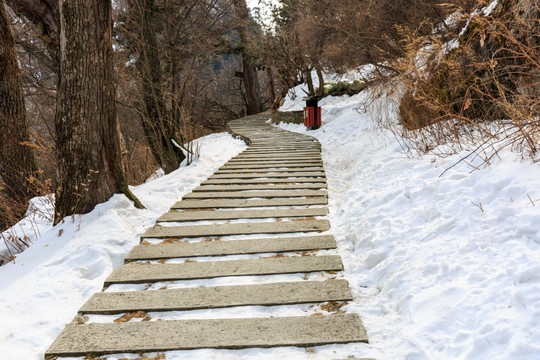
(479, 91)
(133, 315)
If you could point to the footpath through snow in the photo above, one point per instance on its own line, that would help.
(440, 267)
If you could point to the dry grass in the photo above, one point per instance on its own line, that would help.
(17, 236)
(482, 96)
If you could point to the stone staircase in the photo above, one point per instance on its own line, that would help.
(274, 191)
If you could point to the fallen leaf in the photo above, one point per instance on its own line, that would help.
(130, 315)
(170, 241)
(332, 306)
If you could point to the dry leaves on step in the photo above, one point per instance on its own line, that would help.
(130, 315)
(332, 306)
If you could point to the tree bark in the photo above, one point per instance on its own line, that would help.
(321, 81)
(43, 14)
(158, 126)
(271, 88)
(17, 163)
(250, 79)
(88, 144)
(309, 82)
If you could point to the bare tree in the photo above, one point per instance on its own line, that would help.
(88, 146)
(157, 123)
(17, 163)
(249, 74)
(43, 14)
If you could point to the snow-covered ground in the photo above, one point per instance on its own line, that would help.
(41, 292)
(441, 267)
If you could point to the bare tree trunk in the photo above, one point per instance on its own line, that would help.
(88, 144)
(43, 14)
(321, 82)
(158, 126)
(17, 163)
(271, 88)
(309, 82)
(251, 81)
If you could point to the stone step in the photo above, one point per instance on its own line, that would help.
(230, 247)
(255, 194)
(274, 160)
(269, 166)
(264, 181)
(297, 157)
(133, 272)
(284, 146)
(263, 155)
(269, 171)
(215, 204)
(213, 297)
(156, 336)
(275, 227)
(283, 138)
(268, 175)
(179, 216)
(280, 150)
(273, 163)
(212, 188)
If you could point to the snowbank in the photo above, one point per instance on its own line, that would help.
(41, 292)
(441, 267)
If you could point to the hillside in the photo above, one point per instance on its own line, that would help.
(442, 266)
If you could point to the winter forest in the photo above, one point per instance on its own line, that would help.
(112, 110)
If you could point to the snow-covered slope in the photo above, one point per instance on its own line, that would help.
(41, 292)
(442, 267)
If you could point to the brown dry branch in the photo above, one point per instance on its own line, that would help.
(482, 95)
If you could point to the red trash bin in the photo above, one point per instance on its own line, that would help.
(312, 113)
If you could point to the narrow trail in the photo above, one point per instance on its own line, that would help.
(268, 201)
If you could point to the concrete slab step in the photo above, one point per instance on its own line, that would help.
(216, 204)
(278, 157)
(268, 175)
(213, 297)
(319, 180)
(270, 166)
(263, 155)
(179, 216)
(279, 150)
(273, 160)
(274, 163)
(255, 194)
(269, 171)
(230, 247)
(133, 273)
(213, 188)
(285, 146)
(281, 138)
(155, 336)
(274, 227)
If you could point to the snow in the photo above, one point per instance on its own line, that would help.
(442, 267)
(488, 10)
(42, 291)
(442, 264)
(485, 11)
